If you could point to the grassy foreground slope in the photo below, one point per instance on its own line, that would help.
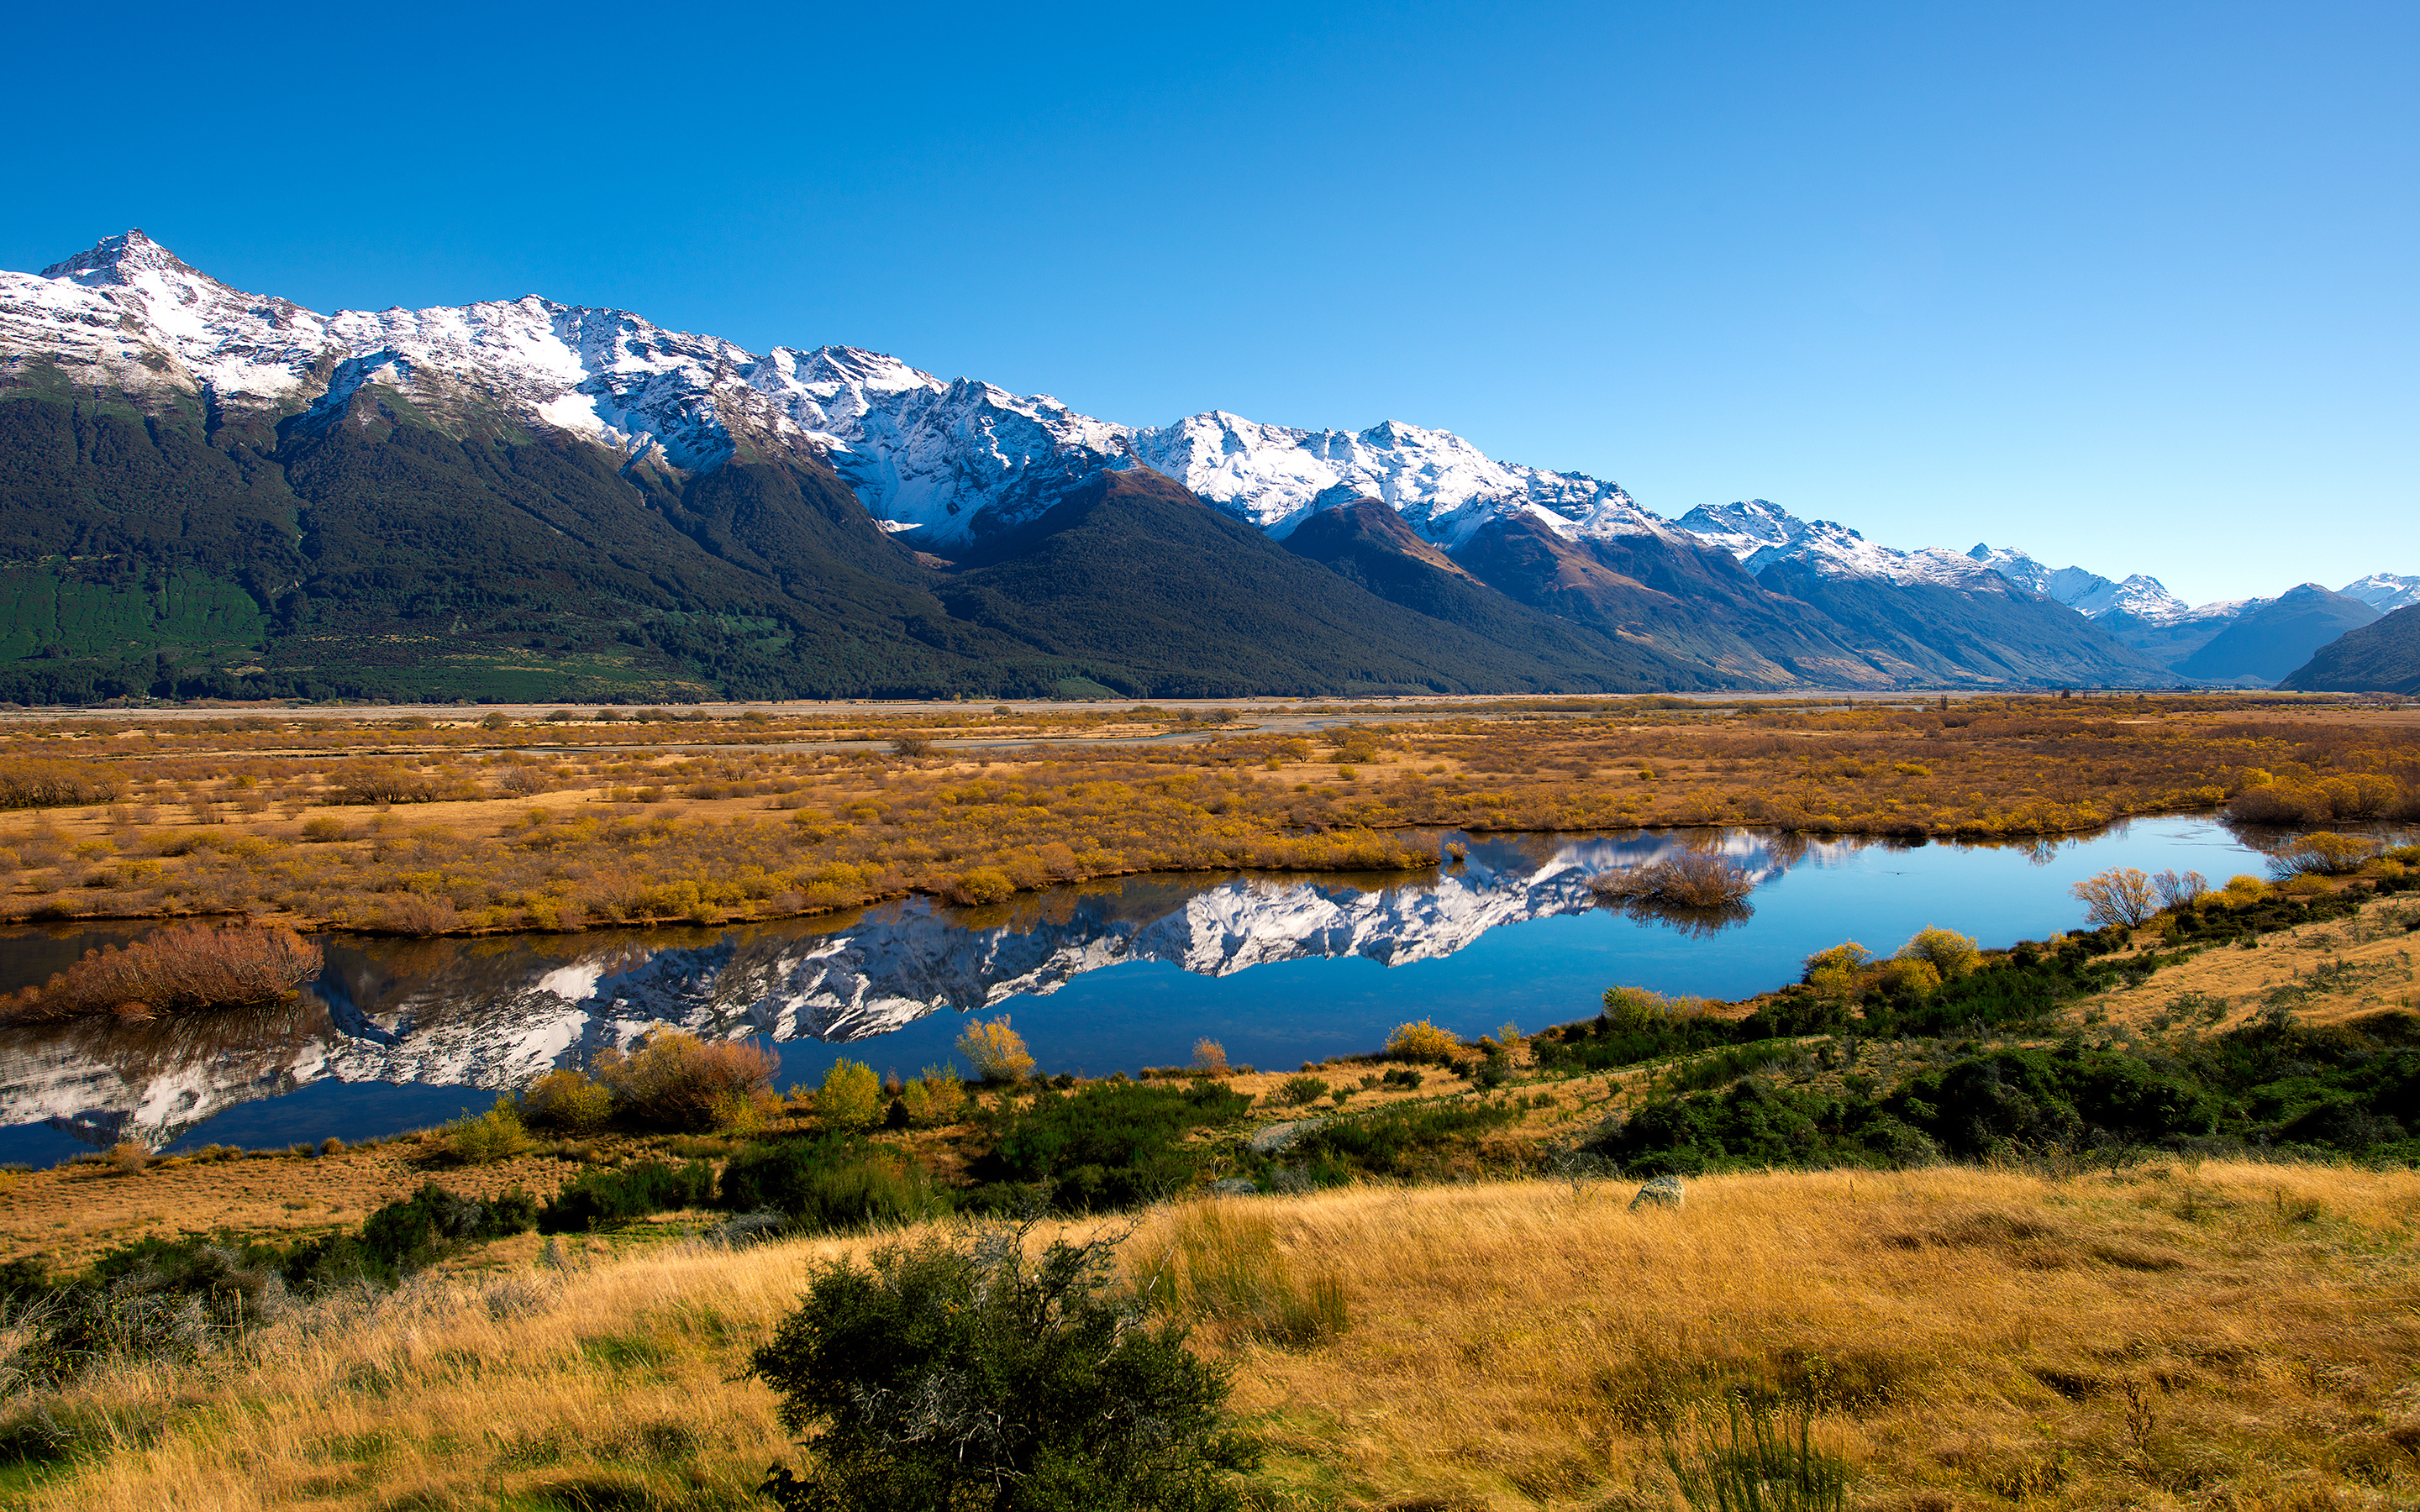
(2233, 1335)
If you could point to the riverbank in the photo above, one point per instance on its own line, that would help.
(566, 825)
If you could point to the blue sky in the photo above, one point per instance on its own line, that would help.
(2123, 285)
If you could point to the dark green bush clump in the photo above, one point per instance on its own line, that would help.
(1111, 1144)
(599, 1200)
(1400, 1142)
(831, 1185)
(951, 1378)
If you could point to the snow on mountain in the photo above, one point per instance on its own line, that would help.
(944, 461)
(497, 1023)
(1760, 533)
(2384, 592)
(1444, 487)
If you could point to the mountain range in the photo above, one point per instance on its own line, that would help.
(207, 491)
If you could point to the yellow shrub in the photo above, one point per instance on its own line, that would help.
(850, 1098)
(1423, 1042)
(997, 1051)
(1951, 955)
(482, 1139)
(568, 1100)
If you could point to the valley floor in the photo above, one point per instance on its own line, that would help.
(411, 825)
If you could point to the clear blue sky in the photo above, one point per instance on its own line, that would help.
(2129, 286)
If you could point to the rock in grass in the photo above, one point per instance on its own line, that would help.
(1235, 1186)
(1663, 1192)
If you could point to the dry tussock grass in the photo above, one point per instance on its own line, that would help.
(2236, 1335)
(564, 826)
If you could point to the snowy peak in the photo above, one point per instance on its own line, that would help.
(1760, 533)
(2384, 592)
(1274, 477)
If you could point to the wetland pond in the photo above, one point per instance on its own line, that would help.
(1108, 975)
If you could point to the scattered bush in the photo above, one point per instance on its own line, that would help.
(996, 1051)
(677, 1081)
(965, 1376)
(1209, 1059)
(1949, 955)
(2321, 853)
(850, 1098)
(601, 1199)
(177, 967)
(2121, 896)
(1110, 1144)
(1691, 879)
(567, 1101)
(485, 1138)
(1298, 1091)
(832, 1185)
(1424, 1044)
(936, 1098)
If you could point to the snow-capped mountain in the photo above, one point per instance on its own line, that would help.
(2086, 592)
(1760, 533)
(947, 460)
(2384, 592)
(497, 1022)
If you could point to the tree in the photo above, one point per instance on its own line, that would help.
(2179, 891)
(1950, 954)
(2121, 896)
(997, 1051)
(949, 1377)
(850, 1098)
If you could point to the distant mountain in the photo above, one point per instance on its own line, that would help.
(209, 491)
(2382, 656)
(2384, 591)
(2271, 640)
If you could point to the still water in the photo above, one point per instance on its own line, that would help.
(399, 1034)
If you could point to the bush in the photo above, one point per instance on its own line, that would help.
(567, 1101)
(850, 1098)
(1298, 1091)
(1424, 1044)
(485, 1138)
(1209, 1059)
(1949, 955)
(2322, 853)
(1111, 1144)
(433, 1222)
(996, 1051)
(323, 828)
(831, 1185)
(1400, 1142)
(966, 1376)
(2121, 896)
(178, 967)
(603, 1198)
(677, 1081)
(1692, 879)
(935, 1097)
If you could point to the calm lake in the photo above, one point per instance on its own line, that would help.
(399, 1034)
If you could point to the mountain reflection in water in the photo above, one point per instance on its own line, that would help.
(495, 1014)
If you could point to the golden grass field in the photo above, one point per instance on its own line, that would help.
(408, 825)
(2233, 1335)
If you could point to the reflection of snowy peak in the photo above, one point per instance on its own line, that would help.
(481, 1018)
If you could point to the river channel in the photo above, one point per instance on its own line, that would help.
(1113, 976)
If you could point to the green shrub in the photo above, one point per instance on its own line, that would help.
(1110, 1144)
(831, 1185)
(1301, 1089)
(965, 1376)
(601, 1199)
(1399, 1142)
(677, 1081)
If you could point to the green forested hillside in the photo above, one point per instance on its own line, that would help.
(2382, 656)
(370, 553)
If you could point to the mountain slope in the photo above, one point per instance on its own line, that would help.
(2271, 641)
(2382, 656)
(1158, 593)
